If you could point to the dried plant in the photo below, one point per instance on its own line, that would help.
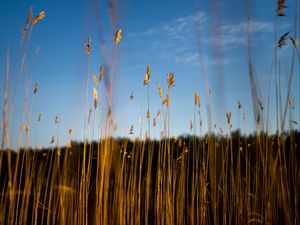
(25, 127)
(101, 73)
(280, 6)
(131, 130)
(291, 103)
(52, 140)
(282, 40)
(56, 121)
(39, 117)
(69, 144)
(154, 122)
(147, 76)
(95, 79)
(90, 114)
(228, 115)
(158, 114)
(239, 105)
(260, 104)
(27, 22)
(39, 17)
(160, 91)
(132, 95)
(36, 88)
(118, 36)
(95, 96)
(197, 99)
(171, 80)
(88, 46)
(166, 100)
(293, 42)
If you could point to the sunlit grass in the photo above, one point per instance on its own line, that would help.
(228, 178)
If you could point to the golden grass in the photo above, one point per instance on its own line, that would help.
(200, 179)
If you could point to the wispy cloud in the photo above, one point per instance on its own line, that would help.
(176, 40)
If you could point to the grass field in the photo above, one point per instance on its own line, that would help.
(211, 177)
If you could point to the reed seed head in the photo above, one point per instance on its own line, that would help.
(36, 88)
(171, 80)
(282, 40)
(293, 42)
(95, 96)
(29, 16)
(101, 73)
(39, 17)
(228, 115)
(290, 102)
(95, 79)
(147, 76)
(131, 130)
(239, 105)
(118, 36)
(132, 95)
(88, 46)
(90, 113)
(56, 121)
(197, 99)
(39, 117)
(280, 6)
(260, 105)
(160, 91)
(25, 127)
(158, 114)
(52, 140)
(166, 101)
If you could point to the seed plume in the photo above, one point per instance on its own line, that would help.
(166, 100)
(36, 88)
(118, 36)
(239, 105)
(39, 17)
(95, 96)
(228, 115)
(160, 91)
(282, 40)
(27, 22)
(197, 99)
(131, 130)
(101, 73)
(95, 79)
(88, 46)
(40, 116)
(280, 6)
(293, 42)
(132, 95)
(24, 127)
(171, 80)
(147, 76)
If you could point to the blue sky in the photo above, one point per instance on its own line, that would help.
(161, 34)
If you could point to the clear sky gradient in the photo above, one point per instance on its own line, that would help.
(162, 34)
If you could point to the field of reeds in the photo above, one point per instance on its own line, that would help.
(200, 178)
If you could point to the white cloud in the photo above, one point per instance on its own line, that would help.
(176, 40)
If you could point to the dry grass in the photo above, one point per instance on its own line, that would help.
(199, 179)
